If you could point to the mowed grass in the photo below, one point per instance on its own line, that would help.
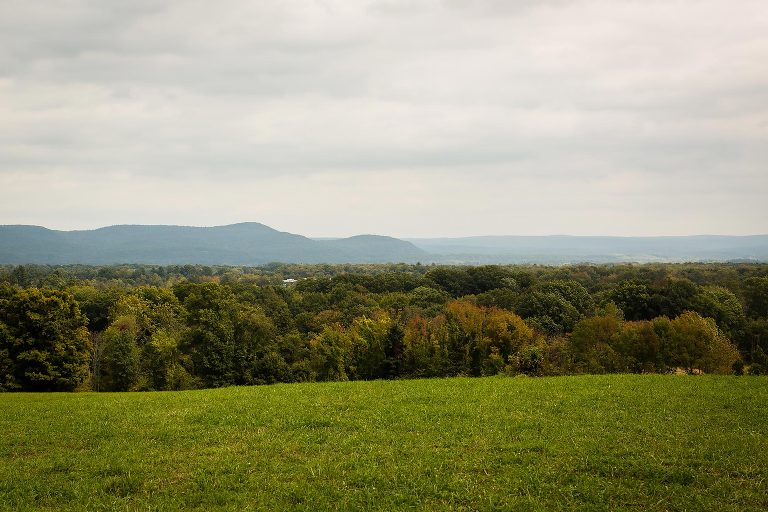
(587, 443)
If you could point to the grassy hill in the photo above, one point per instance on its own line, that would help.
(587, 443)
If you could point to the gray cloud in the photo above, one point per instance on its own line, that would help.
(647, 100)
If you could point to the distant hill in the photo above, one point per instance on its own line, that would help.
(596, 249)
(247, 243)
(251, 243)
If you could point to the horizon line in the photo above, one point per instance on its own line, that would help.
(406, 238)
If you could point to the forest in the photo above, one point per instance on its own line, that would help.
(142, 327)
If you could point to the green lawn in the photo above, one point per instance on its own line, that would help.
(587, 443)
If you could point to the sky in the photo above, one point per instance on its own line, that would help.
(404, 118)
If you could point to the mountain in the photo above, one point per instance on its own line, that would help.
(596, 249)
(247, 243)
(251, 243)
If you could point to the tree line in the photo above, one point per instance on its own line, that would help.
(138, 327)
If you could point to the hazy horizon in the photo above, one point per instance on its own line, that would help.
(408, 119)
(331, 237)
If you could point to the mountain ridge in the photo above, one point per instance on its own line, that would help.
(248, 243)
(254, 243)
(596, 249)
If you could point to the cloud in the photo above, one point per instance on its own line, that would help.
(533, 96)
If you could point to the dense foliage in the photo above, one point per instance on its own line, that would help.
(177, 327)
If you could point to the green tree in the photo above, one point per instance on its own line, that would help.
(572, 291)
(368, 337)
(330, 355)
(256, 355)
(755, 338)
(394, 349)
(549, 312)
(7, 377)
(633, 298)
(756, 296)
(592, 339)
(166, 366)
(212, 314)
(639, 345)
(695, 343)
(122, 364)
(529, 361)
(20, 276)
(423, 353)
(723, 306)
(44, 340)
(428, 299)
(456, 281)
(673, 298)
(504, 298)
(152, 308)
(490, 277)
(96, 303)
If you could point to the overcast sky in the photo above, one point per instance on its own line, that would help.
(405, 118)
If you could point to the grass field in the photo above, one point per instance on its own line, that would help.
(593, 442)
